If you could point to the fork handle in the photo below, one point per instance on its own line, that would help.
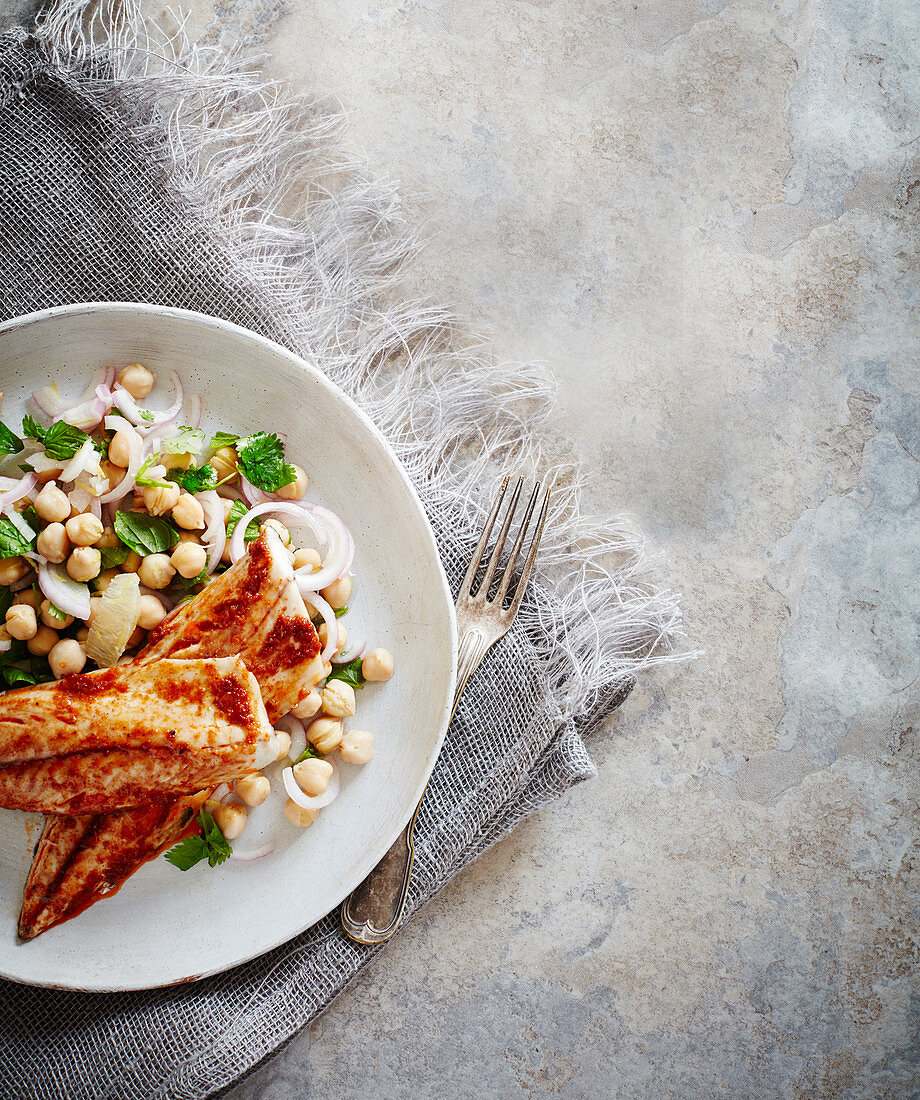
(373, 910)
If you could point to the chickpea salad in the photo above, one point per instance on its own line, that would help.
(113, 516)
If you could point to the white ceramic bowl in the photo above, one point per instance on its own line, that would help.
(164, 925)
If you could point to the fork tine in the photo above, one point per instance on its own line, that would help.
(467, 583)
(531, 557)
(500, 542)
(516, 549)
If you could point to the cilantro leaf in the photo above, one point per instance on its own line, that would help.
(113, 556)
(144, 480)
(10, 444)
(188, 441)
(54, 612)
(12, 542)
(223, 439)
(146, 414)
(350, 673)
(145, 534)
(31, 429)
(211, 845)
(235, 514)
(309, 753)
(195, 480)
(340, 611)
(262, 461)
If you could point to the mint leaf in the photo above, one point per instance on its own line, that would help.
(223, 439)
(12, 543)
(31, 429)
(10, 444)
(62, 441)
(235, 514)
(145, 534)
(262, 461)
(113, 556)
(350, 673)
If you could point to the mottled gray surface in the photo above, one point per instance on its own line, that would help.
(701, 215)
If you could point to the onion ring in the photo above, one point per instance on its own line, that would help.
(215, 532)
(314, 599)
(249, 854)
(295, 727)
(21, 489)
(317, 802)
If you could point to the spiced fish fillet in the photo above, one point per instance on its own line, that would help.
(277, 642)
(82, 859)
(119, 737)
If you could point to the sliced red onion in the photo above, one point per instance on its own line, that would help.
(128, 405)
(339, 556)
(247, 855)
(357, 647)
(63, 591)
(281, 507)
(318, 801)
(17, 520)
(332, 623)
(295, 727)
(215, 532)
(5, 646)
(85, 458)
(195, 411)
(21, 489)
(251, 494)
(49, 401)
(136, 450)
(164, 599)
(221, 792)
(23, 582)
(88, 410)
(42, 464)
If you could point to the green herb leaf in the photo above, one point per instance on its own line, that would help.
(13, 677)
(188, 441)
(340, 611)
(350, 673)
(223, 439)
(145, 534)
(262, 461)
(146, 414)
(61, 441)
(211, 845)
(31, 429)
(236, 513)
(196, 480)
(54, 612)
(6, 602)
(188, 583)
(12, 543)
(309, 753)
(10, 444)
(113, 556)
(145, 481)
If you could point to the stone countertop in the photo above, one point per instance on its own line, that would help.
(699, 214)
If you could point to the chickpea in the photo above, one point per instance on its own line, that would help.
(66, 658)
(377, 665)
(307, 556)
(295, 489)
(280, 530)
(137, 380)
(313, 776)
(83, 563)
(284, 743)
(150, 612)
(297, 815)
(124, 659)
(227, 505)
(322, 632)
(21, 622)
(253, 789)
(325, 734)
(156, 571)
(308, 705)
(120, 450)
(224, 462)
(82, 634)
(188, 513)
(53, 542)
(84, 530)
(188, 559)
(338, 699)
(132, 562)
(190, 536)
(12, 570)
(160, 499)
(135, 638)
(52, 504)
(107, 539)
(357, 747)
(115, 474)
(337, 593)
(105, 578)
(42, 641)
(177, 462)
(49, 618)
(230, 818)
(27, 596)
(44, 476)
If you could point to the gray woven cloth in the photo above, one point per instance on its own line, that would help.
(119, 182)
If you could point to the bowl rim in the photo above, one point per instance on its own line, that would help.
(383, 843)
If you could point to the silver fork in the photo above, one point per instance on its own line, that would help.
(373, 911)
